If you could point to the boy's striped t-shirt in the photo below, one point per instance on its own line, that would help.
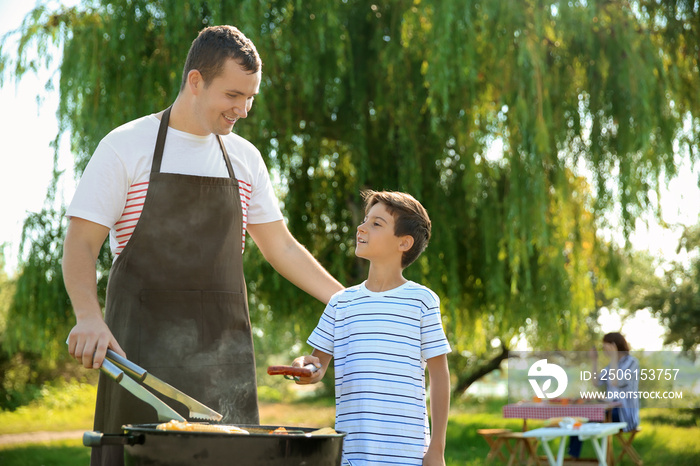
(380, 343)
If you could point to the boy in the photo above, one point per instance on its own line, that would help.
(382, 334)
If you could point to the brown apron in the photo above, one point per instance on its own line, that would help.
(177, 303)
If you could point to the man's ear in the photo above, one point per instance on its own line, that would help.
(406, 243)
(195, 81)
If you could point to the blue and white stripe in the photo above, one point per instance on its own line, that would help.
(380, 342)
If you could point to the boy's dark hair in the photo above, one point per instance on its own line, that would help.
(213, 47)
(410, 218)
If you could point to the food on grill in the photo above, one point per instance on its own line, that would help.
(179, 426)
(324, 431)
(198, 427)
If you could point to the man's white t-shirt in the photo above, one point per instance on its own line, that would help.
(113, 187)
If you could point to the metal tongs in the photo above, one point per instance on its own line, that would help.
(116, 366)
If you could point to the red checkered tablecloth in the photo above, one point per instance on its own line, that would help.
(525, 410)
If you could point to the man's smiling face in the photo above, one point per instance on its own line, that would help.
(228, 97)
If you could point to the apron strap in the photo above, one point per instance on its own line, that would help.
(226, 159)
(160, 141)
(160, 145)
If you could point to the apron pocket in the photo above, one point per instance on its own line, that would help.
(193, 328)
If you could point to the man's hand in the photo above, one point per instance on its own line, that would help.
(89, 340)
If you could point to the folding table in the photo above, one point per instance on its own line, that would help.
(597, 433)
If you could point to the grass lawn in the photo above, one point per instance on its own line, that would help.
(62, 407)
(668, 438)
(59, 453)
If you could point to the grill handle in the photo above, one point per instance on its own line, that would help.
(97, 439)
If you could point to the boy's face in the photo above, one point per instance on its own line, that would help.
(375, 237)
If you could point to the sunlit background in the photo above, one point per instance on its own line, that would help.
(28, 127)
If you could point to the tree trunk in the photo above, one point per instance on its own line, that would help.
(463, 382)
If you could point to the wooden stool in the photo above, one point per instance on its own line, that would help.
(496, 443)
(625, 439)
(523, 450)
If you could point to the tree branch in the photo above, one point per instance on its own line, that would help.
(463, 382)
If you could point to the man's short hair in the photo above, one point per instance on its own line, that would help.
(410, 218)
(213, 47)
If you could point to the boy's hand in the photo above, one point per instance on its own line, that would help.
(316, 376)
(434, 457)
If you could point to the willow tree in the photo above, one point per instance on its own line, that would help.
(488, 112)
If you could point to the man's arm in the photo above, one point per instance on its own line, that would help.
(439, 374)
(90, 338)
(292, 260)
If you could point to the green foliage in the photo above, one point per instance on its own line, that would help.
(16, 384)
(24, 377)
(40, 309)
(485, 111)
(678, 303)
(7, 289)
(673, 295)
(58, 405)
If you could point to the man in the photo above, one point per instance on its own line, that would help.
(176, 216)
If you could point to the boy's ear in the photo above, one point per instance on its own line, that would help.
(406, 243)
